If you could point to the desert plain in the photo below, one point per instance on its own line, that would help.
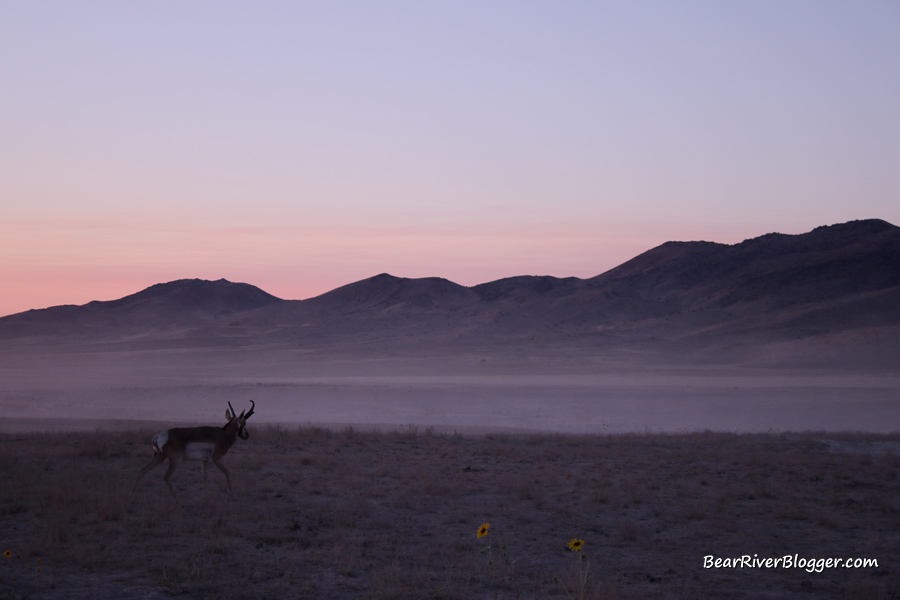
(699, 401)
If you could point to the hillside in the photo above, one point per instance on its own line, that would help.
(183, 303)
(838, 280)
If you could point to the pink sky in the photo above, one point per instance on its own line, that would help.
(302, 147)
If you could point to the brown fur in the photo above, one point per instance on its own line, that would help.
(178, 439)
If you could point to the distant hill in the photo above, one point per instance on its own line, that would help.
(388, 293)
(774, 288)
(855, 264)
(185, 303)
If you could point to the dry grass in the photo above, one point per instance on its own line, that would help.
(346, 514)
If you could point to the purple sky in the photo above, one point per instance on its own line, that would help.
(300, 146)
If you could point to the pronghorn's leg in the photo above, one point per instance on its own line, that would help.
(157, 458)
(224, 470)
(172, 464)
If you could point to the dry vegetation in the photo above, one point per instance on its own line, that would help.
(329, 514)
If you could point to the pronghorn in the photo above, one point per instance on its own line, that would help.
(198, 443)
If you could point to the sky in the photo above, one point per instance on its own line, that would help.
(300, 146)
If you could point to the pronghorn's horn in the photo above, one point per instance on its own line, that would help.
(252, 407)
(232, 409)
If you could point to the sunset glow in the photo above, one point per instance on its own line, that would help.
(300, 147)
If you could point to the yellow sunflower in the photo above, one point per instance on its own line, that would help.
(575, 545)
(482, 531)
(8, 554)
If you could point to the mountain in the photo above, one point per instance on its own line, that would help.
(854, 266)
(390, 294)
(834, 280)
(856, 262)
(182, 303)
(833, 260)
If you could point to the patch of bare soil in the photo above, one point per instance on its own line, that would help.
(320, 513)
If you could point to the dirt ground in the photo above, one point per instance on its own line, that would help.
(343, 513)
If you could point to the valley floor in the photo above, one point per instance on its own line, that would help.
(343, 513)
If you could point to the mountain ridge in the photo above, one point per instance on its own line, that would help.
(780, 287)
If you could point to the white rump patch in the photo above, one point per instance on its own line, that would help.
(199, 451)
(159, 440)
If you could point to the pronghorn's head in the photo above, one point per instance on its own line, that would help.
(239, 420)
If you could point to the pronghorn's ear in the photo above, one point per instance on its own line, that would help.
(228, 414)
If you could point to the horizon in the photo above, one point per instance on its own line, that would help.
(301, 148)
(150, 285)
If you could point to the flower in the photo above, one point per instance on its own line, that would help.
(575, 545)
(482, 531)
(8, 554)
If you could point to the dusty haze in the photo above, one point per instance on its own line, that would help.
(777, 333)
(511, 395)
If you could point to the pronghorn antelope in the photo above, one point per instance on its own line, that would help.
(198, 443)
